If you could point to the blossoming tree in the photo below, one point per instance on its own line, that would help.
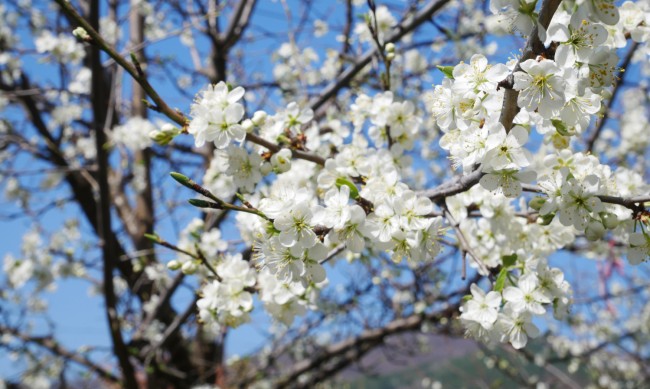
(355, 171)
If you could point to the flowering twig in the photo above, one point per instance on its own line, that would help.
(633, 203)
(97, 40)
(199, 256)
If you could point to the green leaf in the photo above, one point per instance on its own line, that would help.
(467, 297)
(354, 192)
(560, 127)
(509, 260)
(501, 280)
(271, 230)
(448, 71)
(545, 220)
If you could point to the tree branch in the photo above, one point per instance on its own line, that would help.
(238, 23)
(104, 230)
(346, 76)
(632, 203)
(354, 348)
(534, 46)
(55, 348)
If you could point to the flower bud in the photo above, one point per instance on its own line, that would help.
(259, 117)
(610, 221)
(595, 230)
(390, 47)
(266, 168)
(80, 33)
(248, 125)
(165, 135)
(174, 265)
(168, 128)
(390, 56)
(189, 268)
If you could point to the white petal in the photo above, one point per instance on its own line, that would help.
(490, 182)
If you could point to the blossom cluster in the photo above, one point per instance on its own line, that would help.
(216, 115)
(507, 314)
(228, 300)
(360, 202)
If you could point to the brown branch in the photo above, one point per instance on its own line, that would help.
(165, 298)
(144, 210)
(48, 343)
(454, 186)
(161, 106)
(275, 148)
(101, 44)
(104, 230)
(78, 179)
(534, 47)
(171, 330)
(238, 23)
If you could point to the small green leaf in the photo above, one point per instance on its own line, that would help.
(448, 71)
(134, 59)
(509, 260)
(354, 192)
(545, 220)
(560, 127)
(271, 230)
(467, 297)
(501, 280)
(283, 139)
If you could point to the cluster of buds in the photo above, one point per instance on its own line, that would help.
(165, 135)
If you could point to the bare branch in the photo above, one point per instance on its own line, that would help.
(346, 76)
(54, 347)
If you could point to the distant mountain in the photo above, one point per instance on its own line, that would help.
(413, 361)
